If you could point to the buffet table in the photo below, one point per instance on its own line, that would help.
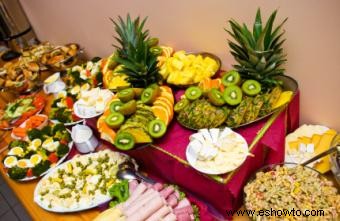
(166, 159)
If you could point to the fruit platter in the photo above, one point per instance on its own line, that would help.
(137, 116)
(16, 112)
(221, 102)
(80, 183)
(144, 201)
(42, 150)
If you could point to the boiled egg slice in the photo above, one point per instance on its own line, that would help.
(16, 151)
(77, 68)
(61, 94)
(75, 90)
(50, 145)
(35, 159)
(24, 163)
(34, 145)
(10, 161)
(85, 87)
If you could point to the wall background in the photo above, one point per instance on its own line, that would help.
(312, 32)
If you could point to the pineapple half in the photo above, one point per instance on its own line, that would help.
(135, 52)
(259, 53)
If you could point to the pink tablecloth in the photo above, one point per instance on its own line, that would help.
(167, 161)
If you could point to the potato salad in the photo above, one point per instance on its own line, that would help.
(79, 183)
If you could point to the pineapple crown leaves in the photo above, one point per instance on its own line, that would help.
(259, 53)
(133, 52)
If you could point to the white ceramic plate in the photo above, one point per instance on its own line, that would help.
(68, 124)
(192, 158)
(93, 204)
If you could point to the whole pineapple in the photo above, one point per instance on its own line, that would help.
(135, 52)
(259, 53)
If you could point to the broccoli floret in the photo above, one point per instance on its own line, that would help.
(41, 167)
(54, 104)
(17, 173)
(58, 127)
(60, 132)
(18, 143)
(35, 134)
(62, 150)
(47, 130)
(61, 114)
(99, 78)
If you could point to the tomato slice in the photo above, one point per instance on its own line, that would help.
(29, 172)
(53, 158)
(69, 102)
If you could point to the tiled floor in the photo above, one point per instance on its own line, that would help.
(10, 207)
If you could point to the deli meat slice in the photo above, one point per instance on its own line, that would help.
(169, 217)
(186, 209)
(132, 186)
(167, 191)
(157, 186)
(138, 191)
(183, 217)
(183, 203)
(140, 202)
(159, 214)
(147, 210)
(172, 200)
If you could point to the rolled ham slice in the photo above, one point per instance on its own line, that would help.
(140, 202)
(186, 209)
(159, 214)
(183, 203)
(132, 186)
(172, 200)
(167, 191)
(147, 210)
(157, 186)
(170, 217)
(183, 217)
(138, 191)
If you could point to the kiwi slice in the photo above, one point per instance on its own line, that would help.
(231, 78)
(115, 106)
(149, 95)
(156, 128)
(114, 120)
(193, 93)
(232, 95)
(128, 108)
(180, 105)
(251, 87)
(126, 94)
(124, 141)
(215, 97)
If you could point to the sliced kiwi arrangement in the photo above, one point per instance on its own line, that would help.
(181, 105)
(126, 94)
(251, 87)
(124, 141)
(128, 108)
(193, 93)
(149, 95)
(231, 78)
(132, 117)
(114, 120)
(115, 105)
(233, 95)
(157, 128)
(215, 97)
